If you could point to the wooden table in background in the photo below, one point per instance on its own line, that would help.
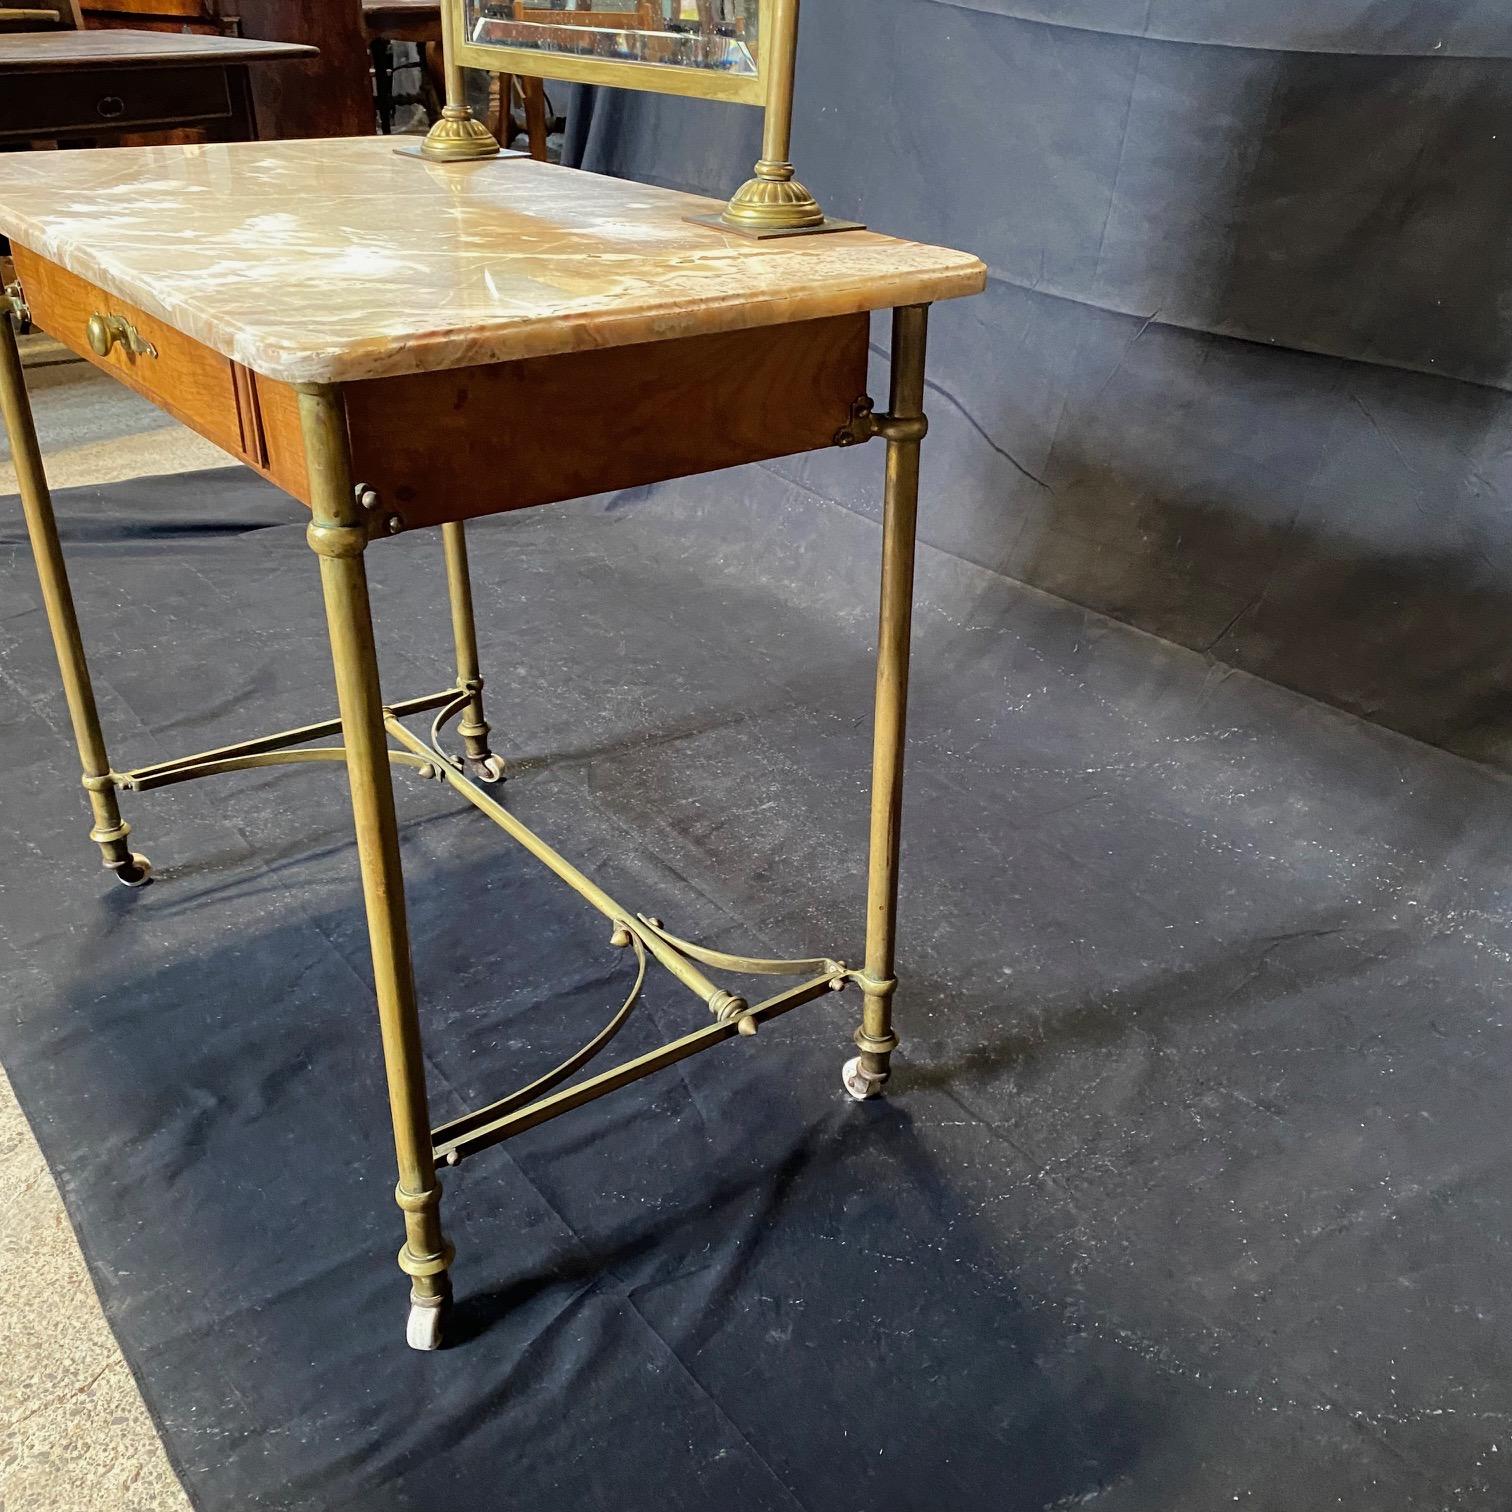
(324, 96)
(100, 88)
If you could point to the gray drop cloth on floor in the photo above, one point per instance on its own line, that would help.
(1193, 1188)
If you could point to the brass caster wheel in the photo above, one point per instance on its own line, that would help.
(862, 1086)
(136, 873)
(426, 1324)
(490, 769)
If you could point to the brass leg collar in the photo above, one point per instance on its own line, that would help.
(875, 1044)
(418, 1266)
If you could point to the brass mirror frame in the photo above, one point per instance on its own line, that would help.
(772, 203)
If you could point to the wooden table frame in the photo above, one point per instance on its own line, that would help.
(102, 86)
(314, 439)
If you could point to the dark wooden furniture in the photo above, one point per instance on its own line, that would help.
(324, 95)
(57, 14)
(85, 88)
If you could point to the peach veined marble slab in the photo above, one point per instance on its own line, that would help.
(340, 260)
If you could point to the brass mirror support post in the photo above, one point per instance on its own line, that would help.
(457, 137)
(774, 202)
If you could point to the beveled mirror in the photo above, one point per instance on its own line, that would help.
(741, 51)
(699, 47)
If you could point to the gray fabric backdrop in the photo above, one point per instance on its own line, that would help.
(1240, 376)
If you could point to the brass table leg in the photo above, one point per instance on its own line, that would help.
(474, 728)
(865, 1076)
(338, 535)
(110, 830)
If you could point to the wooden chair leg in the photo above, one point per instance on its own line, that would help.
(536, 125)
(382, 53)
(433, 70)
(501, 108)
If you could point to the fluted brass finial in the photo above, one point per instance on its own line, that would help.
(773, 201)
(458, 138)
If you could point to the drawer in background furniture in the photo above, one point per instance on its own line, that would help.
(80, 102)
(191, 382)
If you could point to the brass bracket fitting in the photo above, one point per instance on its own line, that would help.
(380, 521)
(13, 303)
(330, 539)
(865, 424)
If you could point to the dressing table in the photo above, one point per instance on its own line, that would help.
(405, 343)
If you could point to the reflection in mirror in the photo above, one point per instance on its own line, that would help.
(714, 35)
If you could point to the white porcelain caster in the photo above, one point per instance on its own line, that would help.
(856, 1082)
(490, 769)
(137, 873)
(426, 1322)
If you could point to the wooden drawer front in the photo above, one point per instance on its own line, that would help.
(478, 441)
(84, 101)
(188, 380)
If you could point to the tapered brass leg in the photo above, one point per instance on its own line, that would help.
(338, 535)
(866, 1075)
(110, 830)
(473, 728)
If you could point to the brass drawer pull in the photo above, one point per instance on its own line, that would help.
(109, 331)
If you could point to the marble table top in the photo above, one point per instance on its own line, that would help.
(112, 46)
(339, 260)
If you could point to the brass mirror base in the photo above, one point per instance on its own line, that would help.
(418, 151)
(773, 203)
(768, 233)
(458, 138)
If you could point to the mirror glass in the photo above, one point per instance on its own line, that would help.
(718, 36)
